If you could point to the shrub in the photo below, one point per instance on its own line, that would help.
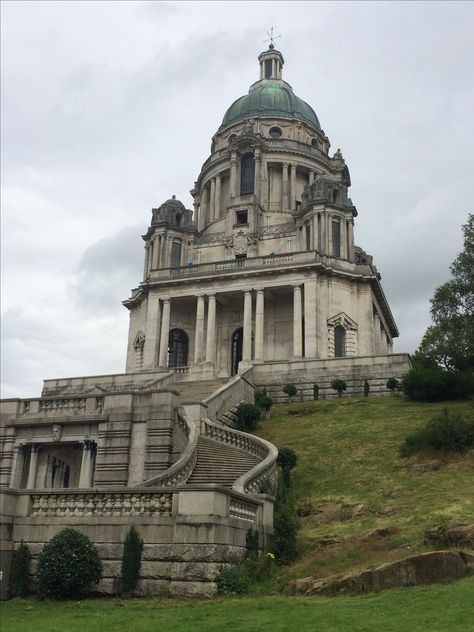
(20, 571)
(434, 384)
(68, 565)
(393, 384)
(285, 526)
(131, 560)
(251, 544)
(287, 460)
(247, 417)
(236, 579)
(315, 392)
(366, 388)
(262, 401)
(447, 431)
(339, 386)
(290, 390)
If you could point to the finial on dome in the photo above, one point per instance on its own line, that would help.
(271, 38)
(173, 197)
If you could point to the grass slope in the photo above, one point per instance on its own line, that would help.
(348, 455)
(428, 609)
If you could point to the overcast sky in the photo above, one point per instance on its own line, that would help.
(108, 109)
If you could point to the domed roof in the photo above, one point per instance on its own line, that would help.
(273, 98)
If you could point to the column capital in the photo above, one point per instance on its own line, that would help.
(296, 286)
(165, 299)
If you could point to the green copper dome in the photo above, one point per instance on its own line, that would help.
(273, 98)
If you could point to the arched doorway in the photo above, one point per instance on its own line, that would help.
(177, 348)
(236, 349)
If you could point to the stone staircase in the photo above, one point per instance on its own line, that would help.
(220, 463)
(199, 390)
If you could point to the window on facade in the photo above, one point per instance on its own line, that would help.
(241, 217)
(308, 237)
(275, 132)
(336, 238)
(339, 342)
(242, 256)
(232, 137)
(247, 174)
(314, 142)
(237, 342)
(178, 219)
(175, 254)
(335, 196)
(268, 68)
(177, 348)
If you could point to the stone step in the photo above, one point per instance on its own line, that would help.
(220, 463)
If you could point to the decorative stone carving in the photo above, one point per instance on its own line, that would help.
(57, 432)
(241, 243)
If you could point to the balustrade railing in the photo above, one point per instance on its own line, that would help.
(101, 504)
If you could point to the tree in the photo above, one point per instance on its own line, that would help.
(287, 460)
(20, 571)
(131, 560)
(449, 342)
(339, 386)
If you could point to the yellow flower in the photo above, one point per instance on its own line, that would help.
(271, 556)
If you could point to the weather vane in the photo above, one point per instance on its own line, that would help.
(272, 38)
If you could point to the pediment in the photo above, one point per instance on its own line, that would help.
(343, 320)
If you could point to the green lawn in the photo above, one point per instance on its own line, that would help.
(348, 455)
(430, 609)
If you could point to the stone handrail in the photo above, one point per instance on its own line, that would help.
(98, 503)
(230, 394)
(181, 470)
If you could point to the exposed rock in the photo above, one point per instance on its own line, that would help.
(427, 568)
(451, 534)
(358, 510)
(323, 543)
(383, 532)
(468, 557)
(307, 510)
(426, 466)
(299, 586)
(387, 511)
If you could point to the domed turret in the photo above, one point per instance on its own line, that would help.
(270, 96)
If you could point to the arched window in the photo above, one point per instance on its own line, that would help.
(339, 342)
(177, 348)
(236, 350)
(247, 174)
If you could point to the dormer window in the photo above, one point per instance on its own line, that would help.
(241, 217)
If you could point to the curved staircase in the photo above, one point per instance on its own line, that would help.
(220, 463)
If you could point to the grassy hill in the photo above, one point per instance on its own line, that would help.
(348, 464)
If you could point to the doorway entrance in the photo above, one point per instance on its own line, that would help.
(236, 350)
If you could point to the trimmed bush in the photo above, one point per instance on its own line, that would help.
(285, 526)
(287, 460)
(131, 560)
(315, 392)
(366, 388)
(393, 384)
(448, 431)
(20, 571)
(263, 402)
(290, 390)
(247, 417)
(68, 566)
(434, 384)
(339, 385)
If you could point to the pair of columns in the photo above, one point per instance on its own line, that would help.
(156, 253)
(288, 192)
(87, 466)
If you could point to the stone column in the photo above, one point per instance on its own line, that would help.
(297, 323)
(351, 240)
(152, 331)
(165, 332)
(217, 202)
(31, 483)
(203, 211)
(212, 203)
(156, 253)
(293, 187)
(284, 188)
(264, 184)
(311, 178)
(233, 174)
(310, 317)
(85, 478)
(199, 336)
(259, 326)
(211, 329)
(247, 341)
(17, 466)
(258, 175)
(343, 237)
(196, 213)
(145, 265)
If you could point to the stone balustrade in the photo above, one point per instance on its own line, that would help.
(234, 438)
(101, 504)
(243, 509)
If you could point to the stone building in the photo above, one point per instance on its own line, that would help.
(259, 285)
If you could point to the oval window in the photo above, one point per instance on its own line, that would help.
(275, 132)
(232, 137)
(314, 142)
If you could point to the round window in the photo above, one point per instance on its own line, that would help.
(232, 137)
(275, 132)
(314, 142)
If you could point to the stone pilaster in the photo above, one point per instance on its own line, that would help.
(211, 329)
(85, 477)
(31, 483)
(284, 188)
(199, 336)
(217, 201)
(152, 331)
(165, 332)
(233, 174)
(145, 264)
(310, 317)
(293, 188)
(212, 202)
(259, 326)
(297, 323)
(258, 175)
(247, 341)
